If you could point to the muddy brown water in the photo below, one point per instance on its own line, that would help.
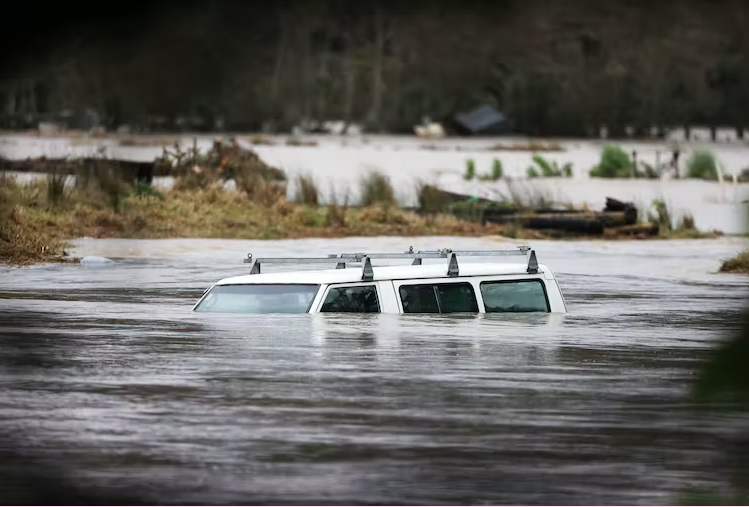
(110, 380)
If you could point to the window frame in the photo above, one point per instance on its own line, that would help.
(516, 280)
(434, 285)
(332, 286)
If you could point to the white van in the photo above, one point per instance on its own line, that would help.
(476, 287)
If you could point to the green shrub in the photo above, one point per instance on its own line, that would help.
(702, 165)
(614, 163)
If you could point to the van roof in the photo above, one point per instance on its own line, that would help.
(354, 274)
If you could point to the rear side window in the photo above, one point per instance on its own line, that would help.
(259, 298)
(438, 298)
(514, 296)
(358, 299)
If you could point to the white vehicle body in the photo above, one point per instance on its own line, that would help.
(478, 287)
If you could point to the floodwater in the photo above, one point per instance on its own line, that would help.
(110, 379)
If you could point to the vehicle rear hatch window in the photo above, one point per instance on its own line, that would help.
(259, 298)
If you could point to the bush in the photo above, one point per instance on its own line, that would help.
(702, 165)
(614, 163)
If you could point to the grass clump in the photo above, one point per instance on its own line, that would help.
(737, 264)
(376, 189)
(614, 163)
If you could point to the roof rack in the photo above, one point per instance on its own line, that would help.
(368, 273)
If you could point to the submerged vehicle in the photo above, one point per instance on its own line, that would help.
(472, 287)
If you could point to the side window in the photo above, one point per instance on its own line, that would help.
(457, 298)
(438, 298)
(515, 296)
(357, 299)
(419, 299)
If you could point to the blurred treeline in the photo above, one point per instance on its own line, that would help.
(555, 67)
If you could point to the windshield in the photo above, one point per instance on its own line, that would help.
(259, 298)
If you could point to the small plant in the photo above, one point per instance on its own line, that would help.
(702, 165)
(662, 216)
(470, 172)
(686, 223)
(496, 174)
(143, 189)
(546, 169)
(376, 189)
(306, 191)
(614, 163)
(497, 170)
(649, 172)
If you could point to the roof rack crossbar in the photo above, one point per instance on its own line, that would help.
(367, 272)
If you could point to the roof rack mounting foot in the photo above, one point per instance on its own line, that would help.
(452, 267)
(533, 263)
(367, 271)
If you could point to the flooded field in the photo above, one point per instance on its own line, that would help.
(109, 378)
(337, 165)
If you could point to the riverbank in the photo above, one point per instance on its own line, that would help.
(231, 193)
(34, 230)
(337, 163)
(35, 226)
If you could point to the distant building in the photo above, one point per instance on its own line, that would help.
(484, 119)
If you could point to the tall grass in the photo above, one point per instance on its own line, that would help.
(526, 196)
(56, 191)
(337, 210)
(306, 191)
(375, 188)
